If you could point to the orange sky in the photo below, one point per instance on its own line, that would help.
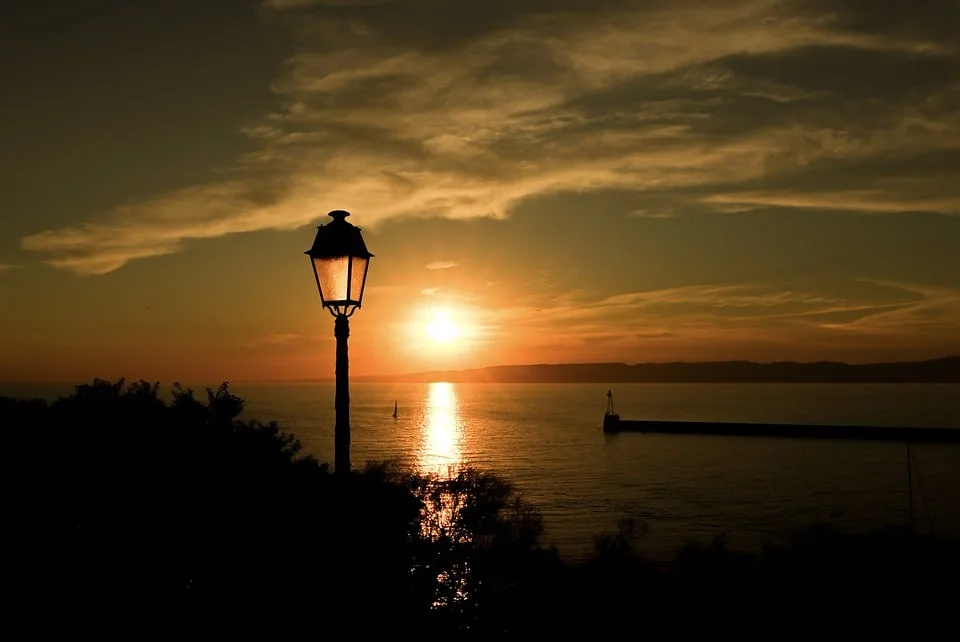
(624, 181)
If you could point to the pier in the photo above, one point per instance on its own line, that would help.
(613, 424)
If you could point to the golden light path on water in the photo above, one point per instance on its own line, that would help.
(441, 455)
(441, 431)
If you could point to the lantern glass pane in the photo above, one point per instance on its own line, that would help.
(332, 277)
(358, 270)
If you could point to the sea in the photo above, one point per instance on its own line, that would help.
(547, 440)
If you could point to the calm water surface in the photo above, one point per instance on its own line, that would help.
(547, 439)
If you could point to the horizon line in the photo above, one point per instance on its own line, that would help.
(369, 377)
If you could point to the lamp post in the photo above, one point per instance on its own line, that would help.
(340, 260)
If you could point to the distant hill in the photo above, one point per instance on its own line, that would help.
(946, 370)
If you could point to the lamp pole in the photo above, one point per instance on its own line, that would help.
(340, 260)
(341, 436)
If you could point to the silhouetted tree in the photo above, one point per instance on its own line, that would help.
(123, 500)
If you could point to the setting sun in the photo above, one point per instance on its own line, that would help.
(440, 335)
(442, 329)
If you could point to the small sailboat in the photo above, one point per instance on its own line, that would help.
(394, 409)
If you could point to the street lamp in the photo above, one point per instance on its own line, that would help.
(340, 259)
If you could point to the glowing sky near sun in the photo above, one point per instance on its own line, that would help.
(539, 181)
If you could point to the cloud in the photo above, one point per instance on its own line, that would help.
(274, 339)
(6, 267)
(280, 5)
(933, 312)
(419, 109)
(866, 200)
(759, 321)
(653, 213)
(709, 306)
(441, 265)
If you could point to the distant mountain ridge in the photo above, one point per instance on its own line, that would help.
(944, 370)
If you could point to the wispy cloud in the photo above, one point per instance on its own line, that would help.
(6, 267)
(722, 319)
(388, 115)
(868, 201)
(932, 312)
(298, 4)
(274, 339)
(441, 265)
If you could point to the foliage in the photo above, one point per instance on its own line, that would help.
(119, 503)
(125, 501)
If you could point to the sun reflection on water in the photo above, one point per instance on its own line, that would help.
(441, 458)
(440, 449)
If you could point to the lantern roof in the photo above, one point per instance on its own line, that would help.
(338, 238)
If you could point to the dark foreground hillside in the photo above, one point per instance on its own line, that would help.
(121, 510)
